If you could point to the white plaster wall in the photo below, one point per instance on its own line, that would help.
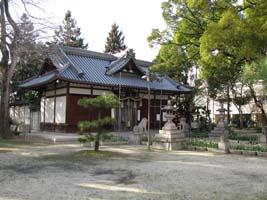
(49, 110)
(246, 109)
(101, 92)
(20, 114)
(113, 113)
(61, 91)
(60, 109)
(163, 97)
(58, 91)
(80, 91)
(50, 93)
(42, 108)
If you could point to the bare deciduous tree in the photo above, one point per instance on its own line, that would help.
(11, 37)
(9, 57)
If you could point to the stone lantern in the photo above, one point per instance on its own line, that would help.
(169, 125)
(169, 138)
(220, 132)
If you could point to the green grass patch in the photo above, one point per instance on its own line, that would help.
(99, 154)
(4, 151)
(17, 142)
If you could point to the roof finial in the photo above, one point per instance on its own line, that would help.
(130, 53)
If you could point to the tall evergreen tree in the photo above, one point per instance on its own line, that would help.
(31, 55)
(69, 34)
(115, 40)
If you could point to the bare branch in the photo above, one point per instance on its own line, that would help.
(29, 2)
(10, 19)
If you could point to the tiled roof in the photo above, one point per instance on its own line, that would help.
(117, 65)
(88, 67)
(38, 81)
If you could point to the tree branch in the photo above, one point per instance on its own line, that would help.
(4, 50)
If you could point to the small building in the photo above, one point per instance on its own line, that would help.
(70, 74)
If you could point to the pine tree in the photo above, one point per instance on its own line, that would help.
(69, 34)
(115, 40)
(30, 52)
(99, 102)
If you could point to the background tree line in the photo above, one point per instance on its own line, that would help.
(23, 52)
(225, 39)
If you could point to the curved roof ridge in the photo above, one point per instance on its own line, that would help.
(77, 68)
(87, 53)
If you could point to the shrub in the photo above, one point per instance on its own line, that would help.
(118, 139)
(250, 138)
(249, 147)
(91, 138)
(199, 135)
(83, 139)
(201, 143)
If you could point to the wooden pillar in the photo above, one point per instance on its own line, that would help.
(67, 100)
(55, 101)
(44, 109)
(92, 92)
(154, 110)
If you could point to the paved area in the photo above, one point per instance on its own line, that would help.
(66, 171)
(54, 137)
(50, 137)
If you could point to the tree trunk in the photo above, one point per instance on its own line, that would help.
(97, 143)
(228, 104)
(4, 108)
(259, 105)
(98, 133)
(208, 114)
(241, 118)
(9, 58)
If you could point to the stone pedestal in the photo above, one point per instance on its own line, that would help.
(169, 138)
(135, 138)
(262, 139)
(218, 132)
(224, 147)
(224, 144)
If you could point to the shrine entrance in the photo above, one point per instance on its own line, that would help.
(129, 115)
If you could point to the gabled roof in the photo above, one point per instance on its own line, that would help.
(119, 64)
(88, 67)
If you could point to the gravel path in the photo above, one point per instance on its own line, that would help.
(61, 172)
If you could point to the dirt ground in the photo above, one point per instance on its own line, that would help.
(128, 172)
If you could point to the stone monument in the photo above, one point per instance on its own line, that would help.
(184, 127)
(169, 138)
(220, 132)
(138, 132)
(262, 138)
(221, 127)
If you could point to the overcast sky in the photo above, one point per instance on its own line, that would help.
(136, 18)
